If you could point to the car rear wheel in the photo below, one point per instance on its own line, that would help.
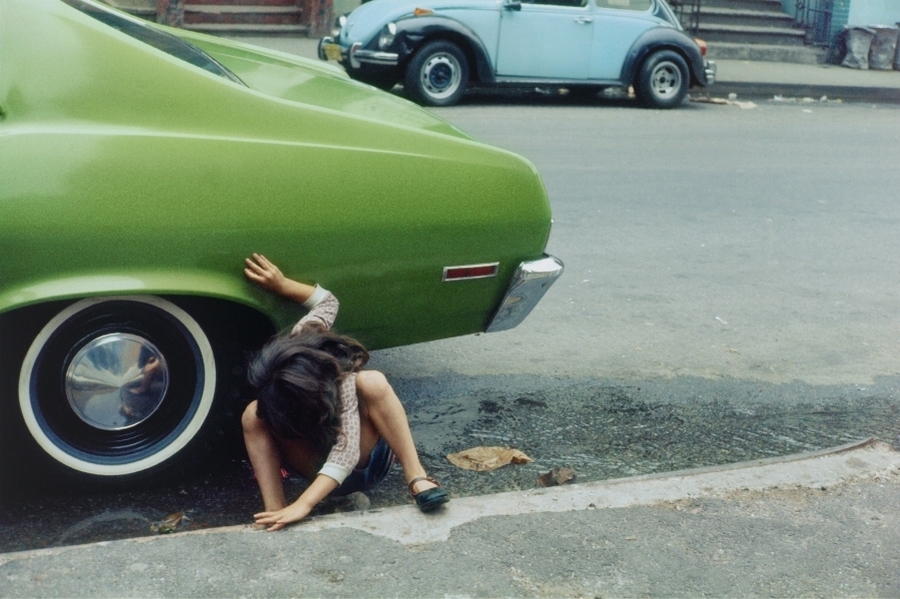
(437, 75)
(115, 388)
(663, 79)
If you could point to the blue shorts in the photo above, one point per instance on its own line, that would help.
(362, 479)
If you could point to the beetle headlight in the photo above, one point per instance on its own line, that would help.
(338, 26)
(387, 36)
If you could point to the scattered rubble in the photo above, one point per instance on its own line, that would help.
(168, 524)
(557, 476)
(729, 102)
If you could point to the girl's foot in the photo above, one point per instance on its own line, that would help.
(428, 493)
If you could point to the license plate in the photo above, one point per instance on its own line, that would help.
(332, 51)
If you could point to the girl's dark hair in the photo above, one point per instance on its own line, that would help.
(296, 379)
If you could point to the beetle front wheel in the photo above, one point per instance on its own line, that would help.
(437, 75)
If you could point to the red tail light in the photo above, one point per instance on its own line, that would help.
(470, 271)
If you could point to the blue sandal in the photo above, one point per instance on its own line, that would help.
(429, 499)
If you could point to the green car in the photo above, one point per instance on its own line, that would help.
(140, 164)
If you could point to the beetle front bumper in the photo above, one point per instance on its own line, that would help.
(531, 280)
(355, 56)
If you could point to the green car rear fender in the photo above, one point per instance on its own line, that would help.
(110, 176)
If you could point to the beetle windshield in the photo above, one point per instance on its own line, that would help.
(160, 40)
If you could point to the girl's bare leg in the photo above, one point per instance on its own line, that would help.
(382, 415)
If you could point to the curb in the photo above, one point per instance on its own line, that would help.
(407, 526)
(881, 95)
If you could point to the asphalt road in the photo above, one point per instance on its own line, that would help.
(708, 241)
(730, 291)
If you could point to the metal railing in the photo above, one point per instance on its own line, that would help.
(688, 12)
(815, 17)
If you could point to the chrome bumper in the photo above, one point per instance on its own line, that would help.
(710, 72)
(356, 55)
(530, 281)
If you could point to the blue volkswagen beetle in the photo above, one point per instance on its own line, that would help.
(438, 48)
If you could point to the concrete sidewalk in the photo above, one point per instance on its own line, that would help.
(747, 79)
(821, 524)
(769, 79)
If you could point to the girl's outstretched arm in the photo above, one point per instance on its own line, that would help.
(268, 276)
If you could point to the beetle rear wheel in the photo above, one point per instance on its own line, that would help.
(663, 80)
(114, 387)
(437, 75)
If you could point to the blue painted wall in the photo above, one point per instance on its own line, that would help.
(874, 12)
(840, 16)
(855, 12)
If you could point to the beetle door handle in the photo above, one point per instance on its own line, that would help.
(584, 20)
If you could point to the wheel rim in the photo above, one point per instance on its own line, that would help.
(441, 75)
(115, 386)
(665, 81)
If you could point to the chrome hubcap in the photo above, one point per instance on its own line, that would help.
(666, 79)
(116, 381)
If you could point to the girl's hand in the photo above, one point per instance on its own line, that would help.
(318, 489)
(268, 276)
(265, 274)
(277, 520)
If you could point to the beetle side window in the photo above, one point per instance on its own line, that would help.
(638, 5)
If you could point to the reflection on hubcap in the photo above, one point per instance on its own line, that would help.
(116, 381)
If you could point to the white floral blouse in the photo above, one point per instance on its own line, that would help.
(343, 457)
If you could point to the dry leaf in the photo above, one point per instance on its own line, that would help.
(706, 100)
(485, 459)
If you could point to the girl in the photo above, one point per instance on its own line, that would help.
(338, 426)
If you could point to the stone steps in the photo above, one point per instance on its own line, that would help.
(753, 5)
(767, 53)
(752, 18)
(753, 30)
(246, 28)
(245, 16)
(743, 34)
